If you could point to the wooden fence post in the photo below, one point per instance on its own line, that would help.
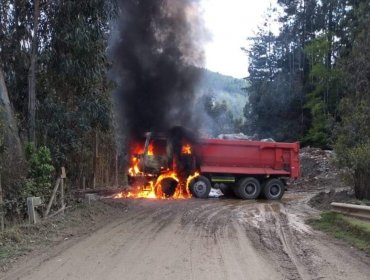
(32, 203)
(95, 161)
(52, 197)
(84, 183)
(63, 176)
(62, 193)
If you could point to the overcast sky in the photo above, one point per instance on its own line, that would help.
(231, 22)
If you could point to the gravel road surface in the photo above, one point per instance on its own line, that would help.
(201, 239)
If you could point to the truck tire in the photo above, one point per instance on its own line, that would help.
(273, 189)
(166, 188)
(200, 187)
(248, 188)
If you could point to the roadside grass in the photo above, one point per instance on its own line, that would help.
(12, 243)
(354, 231)
(10, 251)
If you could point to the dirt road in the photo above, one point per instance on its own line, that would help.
(202, 239)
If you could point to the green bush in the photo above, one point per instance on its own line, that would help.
(359, 161)
(356, 160)
(40, 173)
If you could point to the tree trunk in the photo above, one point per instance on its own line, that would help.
(10, 130)
(11, 155)
(116, 170)
(361, 180)
(95, 160)
(32, 76)
(2, 221)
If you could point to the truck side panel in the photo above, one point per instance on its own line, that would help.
(248, 157)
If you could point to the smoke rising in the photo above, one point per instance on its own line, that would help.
(154, 49)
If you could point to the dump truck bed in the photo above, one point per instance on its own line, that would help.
(248, 157)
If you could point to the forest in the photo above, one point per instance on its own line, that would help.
(310, 82)
(56, 107)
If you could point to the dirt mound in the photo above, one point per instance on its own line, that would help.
(316, 162)
(318, 171)
(322, 200)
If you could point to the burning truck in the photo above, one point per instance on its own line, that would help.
(178, 166)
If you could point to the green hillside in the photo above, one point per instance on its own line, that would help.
(224, 88)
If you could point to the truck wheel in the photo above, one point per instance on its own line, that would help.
(248, 188)
(200, 187)
(166, 188)
(273, 189)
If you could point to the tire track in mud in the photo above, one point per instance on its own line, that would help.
(218, 226)
(278, 232)
(284, 240)
(286, 251)
(299, 251)
(201, 239)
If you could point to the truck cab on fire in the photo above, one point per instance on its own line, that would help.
(190, 167)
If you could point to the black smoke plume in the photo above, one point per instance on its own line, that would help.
(155, 48)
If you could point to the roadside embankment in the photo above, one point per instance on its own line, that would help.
(352, 230)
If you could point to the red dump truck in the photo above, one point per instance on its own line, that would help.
(248, 169)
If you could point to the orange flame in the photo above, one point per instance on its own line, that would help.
(150, 150)
(158, 184)
(186, 149)
(139, 149)
(153, 189)
(134, 169)
(147, 191)
(189, 179)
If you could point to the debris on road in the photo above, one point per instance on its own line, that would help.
(318, 171)
(215, 193)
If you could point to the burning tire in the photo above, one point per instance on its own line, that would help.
(200, 187)
(166, 188)
(273, 189)
(248, 188)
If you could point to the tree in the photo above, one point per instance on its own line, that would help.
(58, 49)
(275, 88)
(32, 74)
(217, 117)
(15, 17)
(324, 98)
(76, 96)
(320, 81)
(305, 81)
(11, 151)
(9, 131)
(353, 129)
